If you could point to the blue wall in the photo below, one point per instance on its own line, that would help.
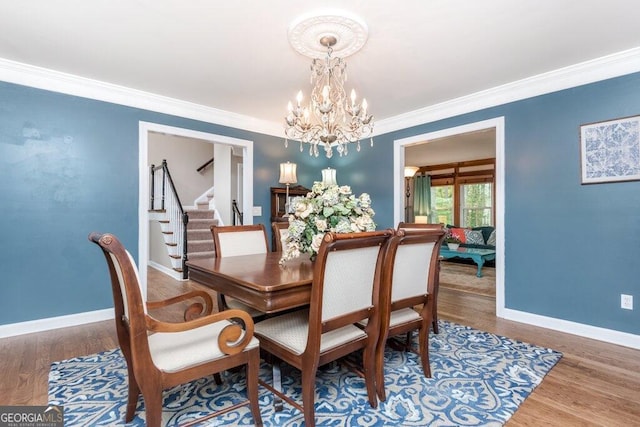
(571, 249)
(69, 166)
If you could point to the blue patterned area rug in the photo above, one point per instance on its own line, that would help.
(479, 379)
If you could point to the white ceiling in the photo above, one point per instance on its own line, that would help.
(234, 55)
(461, 147)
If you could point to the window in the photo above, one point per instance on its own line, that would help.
(462, 192)
(442, 204)
(476, 205)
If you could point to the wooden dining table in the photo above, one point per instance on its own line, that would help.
(258, 280)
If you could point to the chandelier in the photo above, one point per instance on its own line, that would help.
(330, 119)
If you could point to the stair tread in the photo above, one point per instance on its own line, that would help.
(208, 254)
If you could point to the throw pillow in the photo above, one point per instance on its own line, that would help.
(492, 238)
(459, 233)
(485, 230)
(474, 237)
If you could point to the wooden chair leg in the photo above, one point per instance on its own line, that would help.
(153, 407)
(132, 399)
(217, 378)
(407, 345)
(379, 363)
(222, 303)
(253, 368)
(369, 365)
(436, 287)
(423, 339)
(309, 396)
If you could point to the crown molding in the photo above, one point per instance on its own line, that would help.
(43, 78)
(606, 67)
(610, 66)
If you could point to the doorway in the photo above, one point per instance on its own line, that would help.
(145, 129)
(399, 163)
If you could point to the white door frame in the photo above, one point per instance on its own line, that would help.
(143, 170)
(398, 187)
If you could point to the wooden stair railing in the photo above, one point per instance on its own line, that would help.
(204, 166)
(238, 217)
(170, 204)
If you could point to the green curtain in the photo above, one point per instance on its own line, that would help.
(422, 196)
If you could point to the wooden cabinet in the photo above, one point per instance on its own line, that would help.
(278, 200)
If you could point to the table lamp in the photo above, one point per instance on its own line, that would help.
(409, 172)
(329, 176)
(287, 177)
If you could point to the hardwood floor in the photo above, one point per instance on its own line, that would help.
(594, 384)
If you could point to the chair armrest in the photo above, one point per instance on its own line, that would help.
(232, 338)
(192, 311)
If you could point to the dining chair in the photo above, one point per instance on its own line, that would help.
(236, 240)
(280, 232)
(414, 226)
(345, 290)
(160, 355)
(410, 271)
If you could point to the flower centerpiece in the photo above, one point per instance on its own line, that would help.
(452, 241)
(325, 208)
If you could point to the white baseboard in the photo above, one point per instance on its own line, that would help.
(168, 271)
(582, 330)
(40, 325)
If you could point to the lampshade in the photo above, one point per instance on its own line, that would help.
(409, 171)
(422, 219)
(329, 176)
(288, 173)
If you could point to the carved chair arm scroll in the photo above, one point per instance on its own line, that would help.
(194, 310)
(232, 338)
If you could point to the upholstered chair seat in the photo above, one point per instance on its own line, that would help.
(292, 330)
(176, 351)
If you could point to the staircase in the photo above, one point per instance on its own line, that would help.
(199, 239)
(180, 225)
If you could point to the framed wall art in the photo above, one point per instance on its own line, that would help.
(610, 151)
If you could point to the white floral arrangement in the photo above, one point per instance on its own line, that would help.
(325, 208)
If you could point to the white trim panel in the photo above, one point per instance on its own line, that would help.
(168, 271)
(14, 329)
(582, 330)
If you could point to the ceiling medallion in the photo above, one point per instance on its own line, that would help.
(329, 119)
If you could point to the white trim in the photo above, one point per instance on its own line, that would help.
(168, 271)
(398, 186)
(143, 179)
(607, 67)
(593, 332)
(39, 325)
(42, 78)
